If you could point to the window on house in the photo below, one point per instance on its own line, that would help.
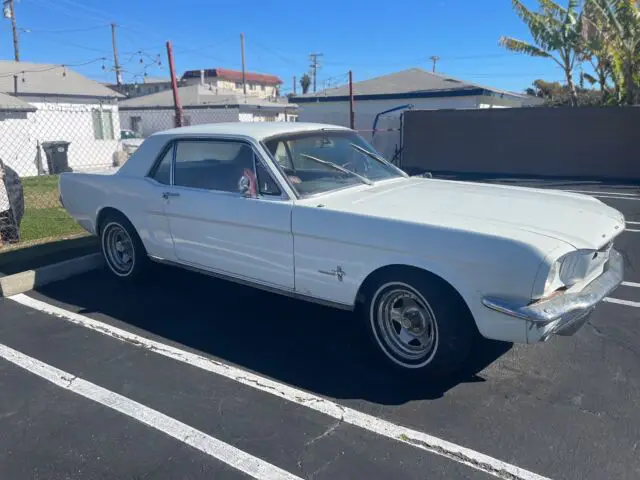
(186, 120)
(102, 124)
(262, 87)
(136, 124)
(238, 84)
(252, 86)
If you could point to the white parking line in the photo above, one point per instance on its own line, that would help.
(619, 301)
(415, 438)
(601, 192)
(226, 453)
(632, 230)
(632, 223)
(630, 284)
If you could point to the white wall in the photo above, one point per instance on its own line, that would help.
(156, 120)
(253, 89)
(337, 113)
(71, 122)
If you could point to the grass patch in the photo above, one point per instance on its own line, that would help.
(47, 222)
(40, 192)
(44, 217)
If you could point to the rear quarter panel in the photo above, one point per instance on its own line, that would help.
(85, 195)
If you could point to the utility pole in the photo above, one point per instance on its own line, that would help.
(314, 64)
(115, 54)
(434, 59)
(352, 114)
(10, 12)
(294, 84)
(174, 85)
(244, 79)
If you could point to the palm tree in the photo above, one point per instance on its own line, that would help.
(305, 83)
(556, 32)
(617, 23)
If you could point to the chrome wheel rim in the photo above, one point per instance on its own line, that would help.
(404, 325)
(118, 249)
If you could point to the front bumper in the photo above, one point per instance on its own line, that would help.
(564, 314)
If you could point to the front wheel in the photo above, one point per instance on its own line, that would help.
(122, 248)
(418, 323)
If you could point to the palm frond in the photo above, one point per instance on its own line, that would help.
(589, 78)
(519, 46)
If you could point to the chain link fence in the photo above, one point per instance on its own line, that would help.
(51, 138)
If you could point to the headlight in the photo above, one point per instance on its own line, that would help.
(575, 266)
(571, 269)
(553, 282)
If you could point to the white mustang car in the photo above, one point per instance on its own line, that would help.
(312, 211)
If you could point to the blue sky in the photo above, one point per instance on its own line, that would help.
(370, 37)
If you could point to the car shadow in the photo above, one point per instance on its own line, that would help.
(312, 347)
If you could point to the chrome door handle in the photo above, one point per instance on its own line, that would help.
(166, 195)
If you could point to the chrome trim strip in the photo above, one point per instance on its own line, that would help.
(566, 306)
(252, 283)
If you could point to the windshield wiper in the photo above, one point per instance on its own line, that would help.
(378, 158)
(337, 167)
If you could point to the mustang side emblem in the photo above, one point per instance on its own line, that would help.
(338, 273)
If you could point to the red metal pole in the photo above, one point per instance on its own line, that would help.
(352, 115)
(174, 85)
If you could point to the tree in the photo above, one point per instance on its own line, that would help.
(617, 24)
(305, 83)
(555, 94)
(595, 50)
(556, 32)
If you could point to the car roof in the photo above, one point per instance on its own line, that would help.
(257, 130)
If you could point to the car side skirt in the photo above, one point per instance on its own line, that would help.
(253, 284)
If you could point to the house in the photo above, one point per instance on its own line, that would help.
(258, 84)
(42, 103)
(148, 86)
(413, 88)
(200, 104)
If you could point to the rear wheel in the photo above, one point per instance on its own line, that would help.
(418, 323)
(122, 248)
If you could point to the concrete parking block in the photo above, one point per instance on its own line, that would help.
(30, 279)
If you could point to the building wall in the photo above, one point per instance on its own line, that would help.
(554, 142)
(388, 142)
(53, 121)
(156, 120)
(132, 90)
(253, 89)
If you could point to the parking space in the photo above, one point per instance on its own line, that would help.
(292, 386)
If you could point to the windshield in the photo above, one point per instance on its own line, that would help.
(315, 162)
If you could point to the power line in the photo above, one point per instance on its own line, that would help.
(70, 30)
(69, 11)
(53, 67)
(294, 63)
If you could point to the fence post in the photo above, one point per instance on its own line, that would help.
(352, 115)
(174, 85)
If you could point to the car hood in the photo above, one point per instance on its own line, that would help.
(580, 220)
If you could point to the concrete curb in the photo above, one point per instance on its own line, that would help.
(30, 279)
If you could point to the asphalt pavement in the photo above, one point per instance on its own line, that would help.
(258, 375)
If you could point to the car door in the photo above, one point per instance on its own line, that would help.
(215, 226)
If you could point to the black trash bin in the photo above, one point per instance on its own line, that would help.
(57, 159)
